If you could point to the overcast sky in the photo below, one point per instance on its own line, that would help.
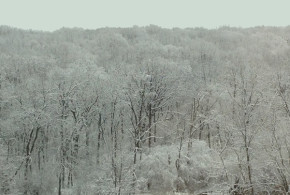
(50, 15)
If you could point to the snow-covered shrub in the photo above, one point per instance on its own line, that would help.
(197, 168)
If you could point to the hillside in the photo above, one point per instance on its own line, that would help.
(145, 110)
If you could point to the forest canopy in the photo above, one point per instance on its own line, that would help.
(145, 110)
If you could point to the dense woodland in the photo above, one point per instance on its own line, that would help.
(145, 110)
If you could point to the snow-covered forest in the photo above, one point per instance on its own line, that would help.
(145, 110)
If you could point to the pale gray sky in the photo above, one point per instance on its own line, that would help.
(54, 14)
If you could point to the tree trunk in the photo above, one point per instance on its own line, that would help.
(99, 138)
(150, 116)
(155, 127)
